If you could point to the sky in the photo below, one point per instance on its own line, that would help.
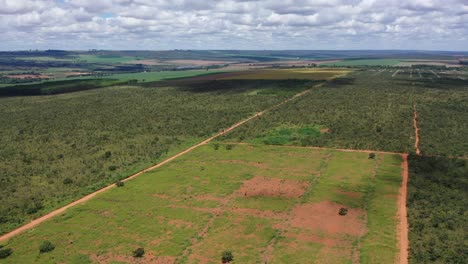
(234, 24)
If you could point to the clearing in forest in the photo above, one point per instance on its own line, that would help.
(273, 203)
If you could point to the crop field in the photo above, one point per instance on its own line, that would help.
(59, 147)
(364, 62)
(301, 73)
(263, 203)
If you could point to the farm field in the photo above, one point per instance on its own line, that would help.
(301, 73)
(260, 202)
(60, 147)
(364, 62)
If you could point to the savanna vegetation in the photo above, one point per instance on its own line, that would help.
(57, 148)
(437, 209)
(268, 198)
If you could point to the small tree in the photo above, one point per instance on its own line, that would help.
(371, 155)
(343, 211)
(139, 252)
(119, 183)
(46, 246)
(5, 252)
(229, 147)
(216, 146)
(227, 257)
(67, 181)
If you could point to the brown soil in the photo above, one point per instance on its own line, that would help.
(403, 215)
(325, 130)
(146, 259)
(263, 186)
(327, 241)
(146, 62)
(76, 73)
(28, 76)
(416, 132)
(324, 217)
(181, 223)
(259, 213)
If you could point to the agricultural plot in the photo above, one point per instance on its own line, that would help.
(281, 74)
(61, 147)
(262, 203)
(364, 62)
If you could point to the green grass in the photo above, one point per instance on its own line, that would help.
(106, 59)
(54, 147)
(165, 210)
(364, 62)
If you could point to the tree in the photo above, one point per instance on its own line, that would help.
(227, 257)
(139, 252)
(46, 246)
(119, 183)
(343, 211)
(5, 252)
(371, 155)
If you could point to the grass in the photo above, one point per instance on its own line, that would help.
(165, 210)
(58, 148)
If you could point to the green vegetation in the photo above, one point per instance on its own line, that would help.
(58, 148)
(290, 135)
(139, 252)
(437, 209)
(227, 257)
(46, 246)
(165, 210)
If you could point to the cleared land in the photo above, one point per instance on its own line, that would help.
(281, 74)
(58, 148)
(185, 210)
(364, 62)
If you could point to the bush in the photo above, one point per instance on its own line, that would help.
(108, 154)
(67, 181)
(216, 146)
(5, 252)
(371, 155)
(112, 167)
(229, 147)
(227, 257)
(119, 183)
(343, 211)
(139, 252)
(46, 246)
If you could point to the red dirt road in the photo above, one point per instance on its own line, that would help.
(416, 132)
(59, 211)
(402, 213)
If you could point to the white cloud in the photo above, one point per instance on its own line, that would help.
(230, 24)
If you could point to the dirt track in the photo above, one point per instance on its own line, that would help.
(402, 213)
(41, 219)
(416, 132)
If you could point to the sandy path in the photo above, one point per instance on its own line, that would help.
(416, 131)
(402, 213)
(395, 73)
(41, 219)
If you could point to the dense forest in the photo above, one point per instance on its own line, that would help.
(437, 209)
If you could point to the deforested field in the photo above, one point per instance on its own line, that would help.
(57, 148)
(262, 203)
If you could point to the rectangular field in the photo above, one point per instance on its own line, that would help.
(264, 203)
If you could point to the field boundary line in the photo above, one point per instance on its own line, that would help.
(393, 75)
(86, 198)
(435, 74)
(403, 241)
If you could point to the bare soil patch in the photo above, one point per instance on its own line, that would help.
(28, 76)
(324, 217)
(327, 241)
(260, 213)
(146, 62)
(263, 186)
(147, 258)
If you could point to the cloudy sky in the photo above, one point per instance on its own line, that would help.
(234, 24)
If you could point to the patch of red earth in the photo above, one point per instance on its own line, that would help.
(212, 77)
(350, 194)
(146, 62)
(76, 73)
(180, 223)
(323, 217)
(243, 162)
(325, 130)
(263, 186)
(327, 241)
(208, 197)
(28, 76)
(199, 209)
(197, 62)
